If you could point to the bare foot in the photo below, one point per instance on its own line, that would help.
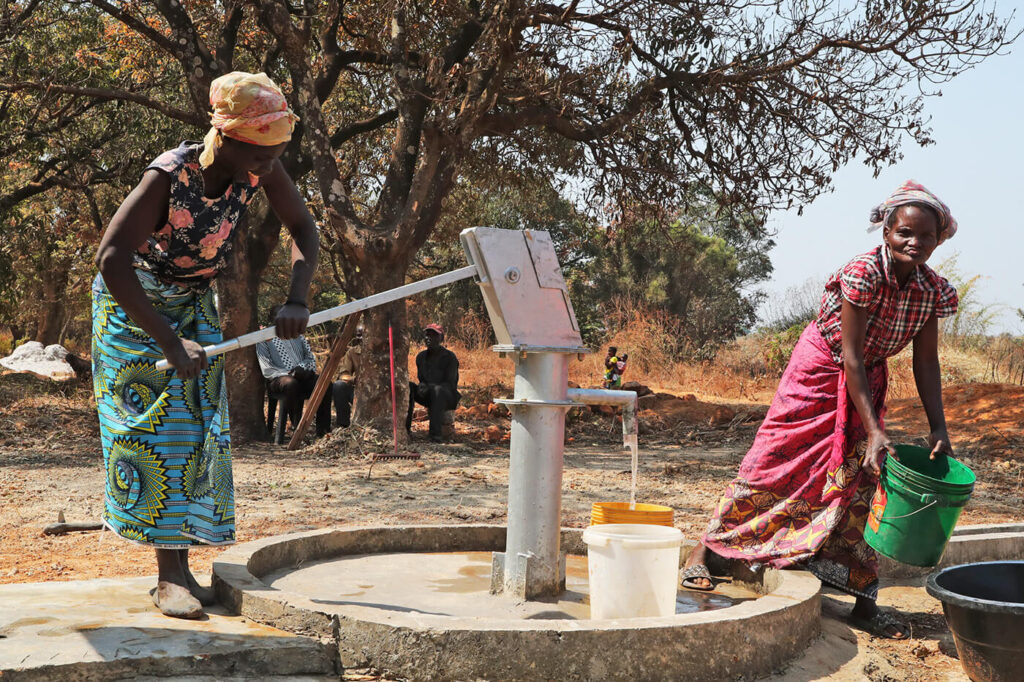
(205, 595)
(698, 557)
(176, 601)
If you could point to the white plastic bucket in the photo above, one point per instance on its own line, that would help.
(633, 570)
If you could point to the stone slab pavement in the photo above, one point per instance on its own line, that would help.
(109, 629)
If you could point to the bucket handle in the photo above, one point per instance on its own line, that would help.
(932, 500)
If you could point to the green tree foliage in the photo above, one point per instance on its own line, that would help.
(46, 268)
(699, 267)
(535, 206)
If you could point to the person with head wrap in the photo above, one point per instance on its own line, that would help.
(166, 445)
(803, 493)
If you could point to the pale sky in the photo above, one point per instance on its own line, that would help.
(974, 166)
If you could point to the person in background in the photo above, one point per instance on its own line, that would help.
(289, 367)
(344, 388)
(614, 366)
(166, 443)
(610, 361)
(803, 492)
(620, 369)
(437, 370)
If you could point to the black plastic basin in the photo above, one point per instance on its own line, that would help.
(984, 607)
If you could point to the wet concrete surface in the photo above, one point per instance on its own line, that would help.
(457, 584)
(101, 629)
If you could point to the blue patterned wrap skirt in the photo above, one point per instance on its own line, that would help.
(166, 445)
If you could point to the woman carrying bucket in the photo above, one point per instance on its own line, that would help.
(803, 491)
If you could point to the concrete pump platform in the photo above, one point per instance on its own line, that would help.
(432, 617)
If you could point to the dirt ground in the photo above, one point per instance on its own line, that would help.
(50, 463)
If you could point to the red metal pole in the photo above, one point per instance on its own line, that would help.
(394, 402)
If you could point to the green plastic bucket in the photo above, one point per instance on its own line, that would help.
(916, 505)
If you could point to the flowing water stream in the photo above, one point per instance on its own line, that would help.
(632, 444)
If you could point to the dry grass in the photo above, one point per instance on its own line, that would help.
(744, 371)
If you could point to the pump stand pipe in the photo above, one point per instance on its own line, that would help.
(533, 565)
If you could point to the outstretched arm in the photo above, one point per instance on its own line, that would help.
(137, 218)
(854, 326)
(928, 377)
(288, 205)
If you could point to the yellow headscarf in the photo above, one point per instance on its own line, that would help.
(248, 107)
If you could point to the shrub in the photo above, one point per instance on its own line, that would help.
(777, 347)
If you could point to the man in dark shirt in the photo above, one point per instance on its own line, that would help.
(437, 370)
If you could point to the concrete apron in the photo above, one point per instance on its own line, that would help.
(969, 544)
(109, 629)
(749, 639)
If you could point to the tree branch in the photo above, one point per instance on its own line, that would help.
(234, 14)
(31, 189)
(26, 13)
(412, 109)
(275, 18)
(648, 93)
(328, 78)
(195, 58)
(136, 24)
(106, 94)
(343, 135)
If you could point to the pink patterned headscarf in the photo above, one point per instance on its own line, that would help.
(248, 107)
(911, 192)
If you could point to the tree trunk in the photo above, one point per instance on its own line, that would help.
(51, 319)
(52, 306)
(237, 292)
(237, 297)
(373, 390)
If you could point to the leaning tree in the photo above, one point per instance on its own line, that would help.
(650, 101)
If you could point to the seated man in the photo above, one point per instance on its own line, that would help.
(437, 370)
(344, 388)
(290, 370)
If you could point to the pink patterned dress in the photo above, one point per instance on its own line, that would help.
(800, 497)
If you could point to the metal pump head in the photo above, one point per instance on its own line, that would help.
(523, 288)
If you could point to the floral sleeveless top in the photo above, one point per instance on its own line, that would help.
(193, 245)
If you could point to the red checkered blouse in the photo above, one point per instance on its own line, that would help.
(895, 315)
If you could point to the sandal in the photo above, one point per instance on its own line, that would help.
(689, 573)
(882, 624)
(178, 602)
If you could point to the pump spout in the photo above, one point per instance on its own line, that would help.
(625, 399)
